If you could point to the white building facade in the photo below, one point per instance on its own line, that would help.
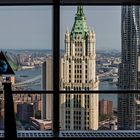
(78, 72)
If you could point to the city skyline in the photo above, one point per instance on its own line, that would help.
(78, 72)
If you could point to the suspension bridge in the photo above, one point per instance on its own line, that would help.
(28, 82)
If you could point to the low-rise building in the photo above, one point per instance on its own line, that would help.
(41, 124)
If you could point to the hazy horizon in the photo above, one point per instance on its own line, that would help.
(61, 49)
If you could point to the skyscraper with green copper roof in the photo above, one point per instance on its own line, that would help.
(78, 72)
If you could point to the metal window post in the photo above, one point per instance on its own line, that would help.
(56, 52)
(9, 117)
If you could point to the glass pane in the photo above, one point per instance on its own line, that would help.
(88, 112)
(90, 50)
(26, 41)
(79, 112)
(30, 112)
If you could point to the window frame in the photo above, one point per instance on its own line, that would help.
(56, 55)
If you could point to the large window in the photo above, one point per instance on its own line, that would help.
(90, 60)
(72, 74)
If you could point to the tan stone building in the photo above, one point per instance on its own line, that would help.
(78, 72)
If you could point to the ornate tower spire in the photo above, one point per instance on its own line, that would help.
(80, 24)
(80, 11)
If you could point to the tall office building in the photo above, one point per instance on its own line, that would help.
(47, 99)
(105, 107)
(78, 72)
(129, 70)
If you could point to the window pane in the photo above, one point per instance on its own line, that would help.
(26, 41)
(30, 113)
(88, 112)
(90, 51)
(73, 109)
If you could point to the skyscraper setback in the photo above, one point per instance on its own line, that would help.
(129, 70)
(78, 72)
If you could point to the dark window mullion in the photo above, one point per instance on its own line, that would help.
(56, 53)
(99, 91)
(9, 115)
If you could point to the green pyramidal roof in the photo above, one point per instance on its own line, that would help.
(80, 24)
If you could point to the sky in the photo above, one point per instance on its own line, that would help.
(31, 27)
(27, 27)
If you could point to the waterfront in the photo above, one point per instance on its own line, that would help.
(31, 73)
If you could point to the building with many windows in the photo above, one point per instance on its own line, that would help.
(105, 107)
(78, 72)
(129, 70)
